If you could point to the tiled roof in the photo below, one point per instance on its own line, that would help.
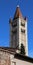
(7, 49)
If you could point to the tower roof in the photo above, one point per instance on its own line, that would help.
(17, 13)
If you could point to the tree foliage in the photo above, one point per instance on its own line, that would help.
(22, 50)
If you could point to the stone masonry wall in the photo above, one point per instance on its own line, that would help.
(4, 58)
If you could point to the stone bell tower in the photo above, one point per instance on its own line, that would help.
(18, 31)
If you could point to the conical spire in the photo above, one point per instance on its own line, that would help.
(17, 13)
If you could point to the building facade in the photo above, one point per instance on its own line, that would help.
(8, 56)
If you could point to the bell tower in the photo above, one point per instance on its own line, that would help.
(18, 31)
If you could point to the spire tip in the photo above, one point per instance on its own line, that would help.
(17, 5)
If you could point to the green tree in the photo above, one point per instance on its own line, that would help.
(22, 50)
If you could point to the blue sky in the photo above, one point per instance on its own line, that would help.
(7, 10)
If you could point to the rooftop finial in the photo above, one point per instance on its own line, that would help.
(17, 5)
